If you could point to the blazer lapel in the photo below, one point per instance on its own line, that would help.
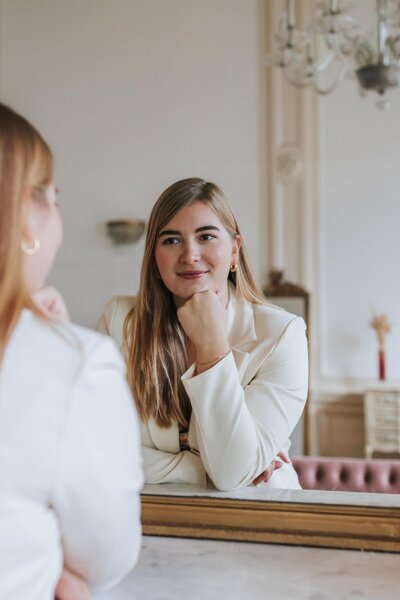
(240, 329)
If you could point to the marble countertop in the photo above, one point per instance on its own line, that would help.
(177, 568)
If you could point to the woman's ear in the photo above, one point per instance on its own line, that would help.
(236, 248)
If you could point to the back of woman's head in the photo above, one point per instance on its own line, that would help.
(26, 162)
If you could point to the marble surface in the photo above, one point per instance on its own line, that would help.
(176, 569)
(262, 493)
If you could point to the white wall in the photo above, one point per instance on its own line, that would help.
(133, 95)
(360, 227)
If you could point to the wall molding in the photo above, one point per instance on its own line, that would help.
(292, 219)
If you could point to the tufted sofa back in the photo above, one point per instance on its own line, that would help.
(348, 474)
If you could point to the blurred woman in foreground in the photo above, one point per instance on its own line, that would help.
(70, 467)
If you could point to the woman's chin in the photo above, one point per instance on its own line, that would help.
(184, 294)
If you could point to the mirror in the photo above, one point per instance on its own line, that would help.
(133, 96)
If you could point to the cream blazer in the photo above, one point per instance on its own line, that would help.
(243, 409)
(70, 460)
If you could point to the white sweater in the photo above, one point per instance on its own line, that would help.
(69, 448)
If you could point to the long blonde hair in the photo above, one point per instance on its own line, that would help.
(26, 162)
(156, 343)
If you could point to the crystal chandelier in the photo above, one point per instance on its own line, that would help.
(332, 46)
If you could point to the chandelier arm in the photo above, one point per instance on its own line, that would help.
(295, 82)
(338, 78)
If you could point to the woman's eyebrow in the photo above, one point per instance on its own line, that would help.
(206, 228)
(176, 232)
(169, 232)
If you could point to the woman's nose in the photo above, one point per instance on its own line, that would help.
(190, 253)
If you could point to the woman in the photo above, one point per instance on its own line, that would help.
(70, 467)
(219, 375)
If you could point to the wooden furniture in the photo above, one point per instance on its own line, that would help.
(382, 420)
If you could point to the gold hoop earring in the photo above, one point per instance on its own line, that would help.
(32, 248)
(233, 268)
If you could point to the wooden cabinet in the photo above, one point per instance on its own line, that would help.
(382, 420)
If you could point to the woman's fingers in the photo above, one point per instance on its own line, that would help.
(267, 474)
(283, 456)
(71, 587)
(203, 320)
(50, 301)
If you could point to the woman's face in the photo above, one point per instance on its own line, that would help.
(42, 223)
(194, 252)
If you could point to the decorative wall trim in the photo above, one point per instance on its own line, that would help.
(292, 221)
(289, 163)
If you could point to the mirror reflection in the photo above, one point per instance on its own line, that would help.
(143, 98)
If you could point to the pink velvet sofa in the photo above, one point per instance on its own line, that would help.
(348, 474)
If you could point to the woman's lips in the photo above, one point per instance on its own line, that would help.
(192, 274)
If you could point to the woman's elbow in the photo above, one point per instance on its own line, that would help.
(230, 483)
(121, 564)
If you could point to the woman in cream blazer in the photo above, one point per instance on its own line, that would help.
(248, 393)
(244, 408)
(70, 463)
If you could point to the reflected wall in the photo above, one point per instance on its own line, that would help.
(133, 95)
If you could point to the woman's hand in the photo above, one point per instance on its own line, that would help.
(49, 301)
(203, 320)
(274, 466)
(71, 587)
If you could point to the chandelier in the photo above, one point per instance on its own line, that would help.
(333, 46)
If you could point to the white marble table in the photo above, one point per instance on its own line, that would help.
(180, 569)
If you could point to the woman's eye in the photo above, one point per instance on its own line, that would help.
(205, 237)
(170, 240)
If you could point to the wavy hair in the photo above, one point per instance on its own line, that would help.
(155, 340)
(26, 162)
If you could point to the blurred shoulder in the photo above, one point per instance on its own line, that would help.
(275, 321)
(117, 308)
(65, 346)
(113, 318)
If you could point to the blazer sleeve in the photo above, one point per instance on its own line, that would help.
(167, 467)
(99, 473)
(240, 430)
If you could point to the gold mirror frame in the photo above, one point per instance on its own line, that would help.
(321, 525)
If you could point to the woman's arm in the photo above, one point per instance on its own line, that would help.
(166, 467)
(240, 431)
(158, 466)
(99, 475)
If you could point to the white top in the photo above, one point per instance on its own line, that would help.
(244, 408)
(30, 549)
(69, 441)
